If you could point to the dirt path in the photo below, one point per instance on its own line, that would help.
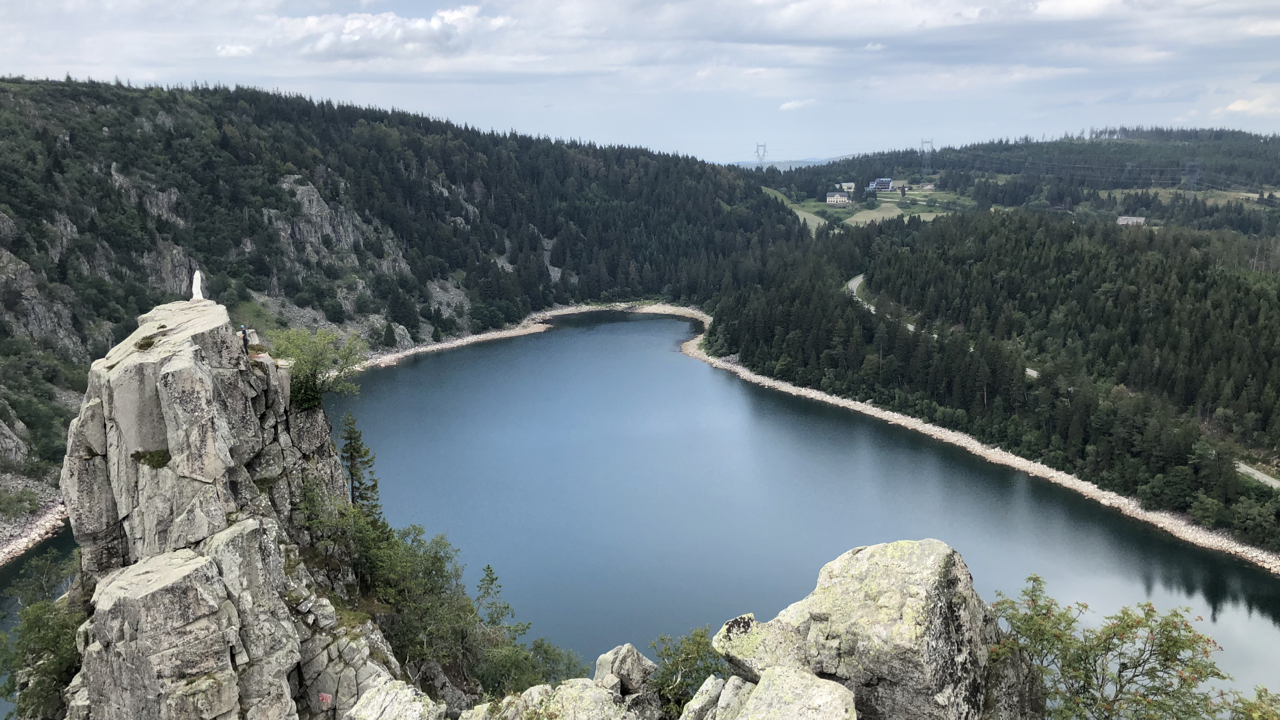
(1258, 475)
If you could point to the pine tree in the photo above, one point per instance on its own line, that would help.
(357, 460)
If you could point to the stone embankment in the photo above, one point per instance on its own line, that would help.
(183, 476)
(535, 323)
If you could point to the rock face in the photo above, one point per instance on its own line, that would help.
(899, 625)
(182, 475)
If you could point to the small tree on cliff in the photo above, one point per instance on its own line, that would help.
(321, 363)
(357, 459)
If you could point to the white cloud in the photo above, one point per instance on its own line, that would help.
(797, 104)
(873, 47)
(234, 51)
(1266, 105)
(1075, 9)
(367, 36)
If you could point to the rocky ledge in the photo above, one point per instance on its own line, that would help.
(182, 478)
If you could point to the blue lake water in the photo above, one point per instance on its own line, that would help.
(621, 490)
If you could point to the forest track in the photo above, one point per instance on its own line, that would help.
(852, 286)
(1258, 475)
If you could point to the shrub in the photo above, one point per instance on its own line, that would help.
(1138, 663)
(41, 658)
(684, 663)
(18, 502)
(321, 364)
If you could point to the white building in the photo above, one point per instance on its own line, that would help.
(881, 185)
(837, 198)
(1130, 220)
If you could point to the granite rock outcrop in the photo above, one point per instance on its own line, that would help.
(182, 480)
(898, 625)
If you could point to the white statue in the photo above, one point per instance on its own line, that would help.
(197, 293)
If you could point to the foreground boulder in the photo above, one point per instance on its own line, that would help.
(899, 625)
(182, 476)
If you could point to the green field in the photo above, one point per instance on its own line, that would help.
(813, 221)
(866, 217)
(814, 212)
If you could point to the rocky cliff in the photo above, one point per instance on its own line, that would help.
(182, 475)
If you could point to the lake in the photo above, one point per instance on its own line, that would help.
(621, 490)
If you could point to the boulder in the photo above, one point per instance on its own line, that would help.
(786, 693)
(733, 698)
(582, 699)
(158, 646)
(393, 700)
(631, 668)
(898, 624)
(703, 704)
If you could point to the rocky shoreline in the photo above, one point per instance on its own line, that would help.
(34, 530)
(534, 323)
(1172, 523)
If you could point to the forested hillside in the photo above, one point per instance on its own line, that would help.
(1155, 351)
(401, 226)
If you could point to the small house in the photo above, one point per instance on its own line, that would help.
(837, 198)
(1130, 220)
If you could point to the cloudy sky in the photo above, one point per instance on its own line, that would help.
(811, 78)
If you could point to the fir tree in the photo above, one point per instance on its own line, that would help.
(357, 460)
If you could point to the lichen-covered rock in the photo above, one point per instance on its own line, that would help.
(733, 698)
(393, 700)
(786, 693)
(898, 624)
(626, 662)
(162, 641)
(181, 480)
(582, 699)
(703, 704)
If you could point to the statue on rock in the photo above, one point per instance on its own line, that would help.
(197, 292)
